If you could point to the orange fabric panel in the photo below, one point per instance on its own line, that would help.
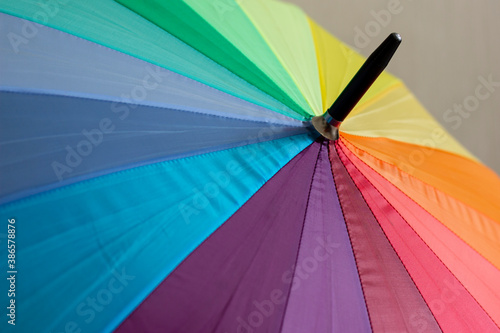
(473, 271)
(467, 181)
(475, 228)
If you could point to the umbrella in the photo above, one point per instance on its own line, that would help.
(159, 174)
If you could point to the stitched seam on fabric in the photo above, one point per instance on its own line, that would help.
(279, 89)
(146, 168)
(275, 175)
(279, 59)
(300, 241)
(345, 135)
(379, 96)
(420, 180)
(350, 241)
(433, 216)
(205, 240)
(387, 238)
(439, 259)
(35, 93)
(146, 61)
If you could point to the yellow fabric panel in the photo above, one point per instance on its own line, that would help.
(475, 221)
(286, 30)
(337, 65)
(387, 110)
(397, 114)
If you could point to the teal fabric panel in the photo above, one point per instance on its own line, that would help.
(110, 24)
(113, 239)
(59, 63)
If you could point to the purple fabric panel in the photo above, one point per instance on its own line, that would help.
(391, 295)
(237, 280)
(326, 293)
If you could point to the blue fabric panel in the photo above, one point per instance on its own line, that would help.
(49, 141)
(90, 252)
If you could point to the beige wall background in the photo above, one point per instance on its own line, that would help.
(448, 45)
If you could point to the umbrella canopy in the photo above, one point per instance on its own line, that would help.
(159, 174)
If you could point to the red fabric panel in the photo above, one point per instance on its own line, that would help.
(452, 305)
(452, 277)
(391, 296)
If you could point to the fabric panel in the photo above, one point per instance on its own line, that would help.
(238, 279)
(379, 113)
(390, 293)
(227, 37)
(108, 231)
(64, 64)
(110, 24)
(437, 284)
(473, 271)
(463, 179)
(338, 63)
(286, 30)
(68, 139)
(475, 228)
(326, 293)
(397, 115)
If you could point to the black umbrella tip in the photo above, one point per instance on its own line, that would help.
(328, 124)
(396, 37)
(383, 54)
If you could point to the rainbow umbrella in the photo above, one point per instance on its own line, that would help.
(159, 174)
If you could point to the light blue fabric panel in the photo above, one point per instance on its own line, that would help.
(90, 252)
(64, 64)
(108, 23)
(49, 141)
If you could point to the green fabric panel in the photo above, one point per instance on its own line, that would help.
(286, 30)
(229, 38)
(110, 24)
